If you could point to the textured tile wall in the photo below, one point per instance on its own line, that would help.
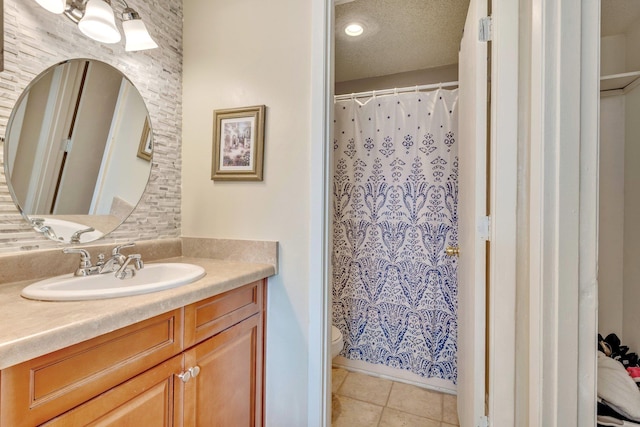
(35, 39)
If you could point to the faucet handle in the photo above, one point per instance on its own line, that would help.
(116, 250)
(85, 261)
(75, 238)
(37, 222)
(85, 257)
(126, 273)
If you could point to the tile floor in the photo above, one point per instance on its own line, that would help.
(361, 400)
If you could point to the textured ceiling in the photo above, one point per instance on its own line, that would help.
(618, 16)
(407, 35)
(400, 36)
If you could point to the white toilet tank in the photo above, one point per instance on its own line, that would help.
(336, 341)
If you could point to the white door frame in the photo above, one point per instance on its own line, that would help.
(588, 242)
(558, 213)
(319, 336)
(502, 304)
(503, 201)
(550, 290)
(473, 201)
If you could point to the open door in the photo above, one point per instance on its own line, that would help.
(472, 214)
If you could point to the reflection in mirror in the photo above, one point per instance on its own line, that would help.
(74, 162)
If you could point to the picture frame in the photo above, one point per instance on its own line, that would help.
(238, 144)
(145, 147)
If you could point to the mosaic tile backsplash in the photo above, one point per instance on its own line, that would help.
(35, 39)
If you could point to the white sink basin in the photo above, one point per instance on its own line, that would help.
(152, 278)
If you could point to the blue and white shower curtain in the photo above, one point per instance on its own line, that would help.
(395, 196)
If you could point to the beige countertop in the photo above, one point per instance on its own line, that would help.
(34, 328)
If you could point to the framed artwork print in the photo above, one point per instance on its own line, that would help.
(238, 144)
(144, 148)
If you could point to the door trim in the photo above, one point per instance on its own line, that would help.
(319, 328)
(559, 163)
(589, 159)
(503, 200)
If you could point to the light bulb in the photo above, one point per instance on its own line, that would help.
(354, 29)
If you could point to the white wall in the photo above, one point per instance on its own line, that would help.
(619, 204)
(631, 296)
(633, 53)
(613, 51)
(444, 74)
(242, 53)
(611, 220)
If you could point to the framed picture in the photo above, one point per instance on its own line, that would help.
(145, 146)
(238, 144)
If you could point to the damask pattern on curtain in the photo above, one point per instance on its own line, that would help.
(395, 195)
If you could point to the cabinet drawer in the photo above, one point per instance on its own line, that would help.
(38, 390)
(208, 317)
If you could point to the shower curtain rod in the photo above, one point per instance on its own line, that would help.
(392, 91)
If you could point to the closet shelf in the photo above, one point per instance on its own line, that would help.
(618, 81)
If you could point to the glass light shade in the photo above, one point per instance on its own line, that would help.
(99, 23)
(136, 35)
(54, 6)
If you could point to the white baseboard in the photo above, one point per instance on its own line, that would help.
(399, 375)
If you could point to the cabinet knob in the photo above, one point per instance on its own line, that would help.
(194, 371)
(189, 373)
(185, 376)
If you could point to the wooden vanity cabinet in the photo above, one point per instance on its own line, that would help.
(210, 373)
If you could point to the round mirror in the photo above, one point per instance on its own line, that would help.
(77, 151)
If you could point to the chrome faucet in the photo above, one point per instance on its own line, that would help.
(117, 259)
(39, 226)
(85, 268)
(75, 237)
(118, 263)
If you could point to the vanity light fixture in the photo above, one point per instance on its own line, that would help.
(135, 32)
(96, 20)
(99, 23)
(53, 6)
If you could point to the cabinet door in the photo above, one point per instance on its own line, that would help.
(153, 398)
(228, 389)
